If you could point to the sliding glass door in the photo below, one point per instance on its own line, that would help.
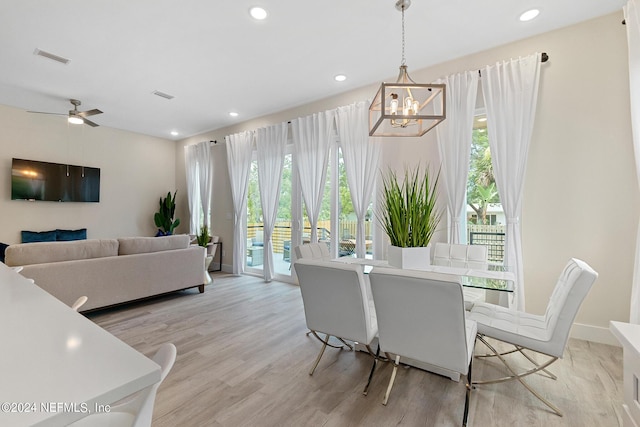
(336, 222)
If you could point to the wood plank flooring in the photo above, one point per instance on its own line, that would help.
(243, 360)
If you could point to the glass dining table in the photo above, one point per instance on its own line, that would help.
(495, 278)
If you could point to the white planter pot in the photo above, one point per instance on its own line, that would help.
(207, 262)
(409, 258)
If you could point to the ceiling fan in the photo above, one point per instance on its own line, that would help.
(75, 116)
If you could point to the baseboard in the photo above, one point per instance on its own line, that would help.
(594, 334)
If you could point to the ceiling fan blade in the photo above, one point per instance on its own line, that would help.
(90, 123)
(44, 112)
(89, 113)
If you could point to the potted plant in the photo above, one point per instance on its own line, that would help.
(203, 238)
(164, 217)
(409, 216)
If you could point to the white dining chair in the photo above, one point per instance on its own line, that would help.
(319, 250)
(336, 304)
(545, 334)
(136, 411)
(463, 256)
(421, 316)
(79, 303)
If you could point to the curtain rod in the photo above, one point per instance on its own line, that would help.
(544, 58)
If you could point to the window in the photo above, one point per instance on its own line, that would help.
(485, 216)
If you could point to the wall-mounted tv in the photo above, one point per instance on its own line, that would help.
(54, 182)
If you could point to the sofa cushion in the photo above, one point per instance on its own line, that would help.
(66, 235)
(38, 236)
(44, 252)
(140, 245)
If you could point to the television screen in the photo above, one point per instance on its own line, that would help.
(34, 180)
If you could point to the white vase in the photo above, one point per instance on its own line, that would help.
(409, 258)
(207, 262)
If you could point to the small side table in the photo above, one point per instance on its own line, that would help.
(219, 253)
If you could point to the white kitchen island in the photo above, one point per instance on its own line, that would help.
(56, 366)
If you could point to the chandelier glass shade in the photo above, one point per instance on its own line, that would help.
(406, 108)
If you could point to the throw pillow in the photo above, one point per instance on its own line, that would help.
(3, 247)
(67, 235)
(35, 236)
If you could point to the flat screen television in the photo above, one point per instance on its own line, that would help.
(54, 182)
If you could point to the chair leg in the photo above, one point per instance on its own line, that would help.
(373, 368)
(315, 334)
(519, 349)
(393, 378)
(468, 395)
(515, 375)
(324, 345)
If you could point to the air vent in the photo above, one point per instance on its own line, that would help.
(163, 95)
(50, 55)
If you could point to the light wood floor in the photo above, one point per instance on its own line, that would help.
(243, 360)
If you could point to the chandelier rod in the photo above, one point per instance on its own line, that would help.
(402, 8)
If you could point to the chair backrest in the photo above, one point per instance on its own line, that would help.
(335, 299)
(258, 240)
(572, 287)
(318, 250)
(421, 316)
(462, 256)
(165, 357)
(79, 303)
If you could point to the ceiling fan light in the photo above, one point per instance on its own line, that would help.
(75, 120)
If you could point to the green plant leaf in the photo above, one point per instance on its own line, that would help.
(408, 211)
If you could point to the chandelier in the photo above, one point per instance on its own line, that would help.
(406, 108)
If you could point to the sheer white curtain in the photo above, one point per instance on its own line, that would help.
(361, 156)
(205, 178)
(510, 92)
(239, 151)
(193, 192)
(312, 138)
(454, 142)
(632, 21)
(270, 147)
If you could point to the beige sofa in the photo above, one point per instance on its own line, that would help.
(111, 271)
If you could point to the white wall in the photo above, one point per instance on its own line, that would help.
(580, 162)
(135, 171)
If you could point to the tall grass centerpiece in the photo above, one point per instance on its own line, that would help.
(409, 215)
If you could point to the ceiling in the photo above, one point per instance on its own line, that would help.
(214, 58)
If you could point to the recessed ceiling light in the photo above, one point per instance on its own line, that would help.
(529, 15)
(258, 13)
(340, 77)
(233, 114)
(174, 133)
